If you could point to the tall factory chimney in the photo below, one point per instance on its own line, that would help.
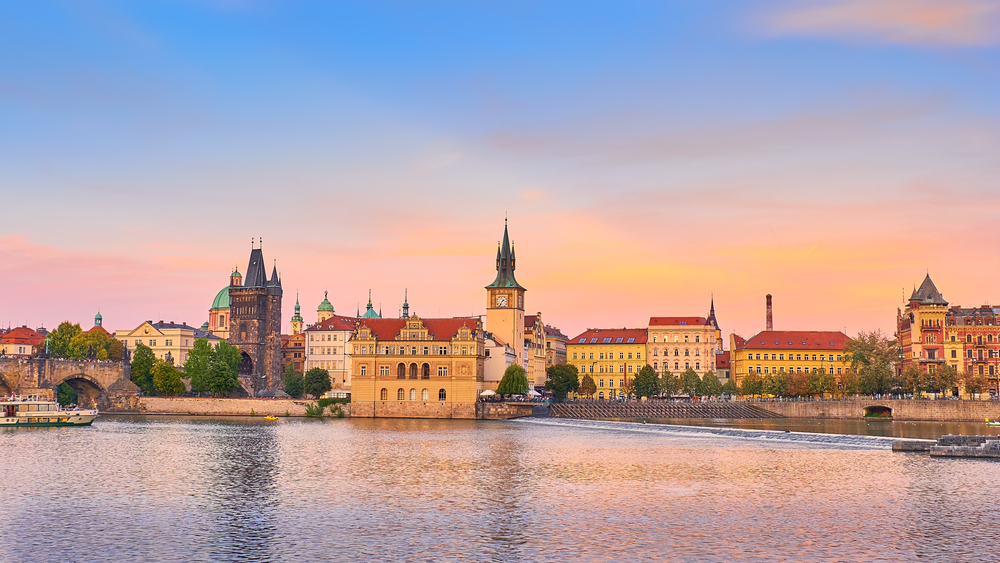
(770, 318)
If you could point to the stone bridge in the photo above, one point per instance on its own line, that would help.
(96, 383)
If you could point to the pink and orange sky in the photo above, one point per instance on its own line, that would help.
(647, 155)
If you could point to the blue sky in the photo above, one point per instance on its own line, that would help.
(648, 154)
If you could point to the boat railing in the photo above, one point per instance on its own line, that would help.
(23, 399)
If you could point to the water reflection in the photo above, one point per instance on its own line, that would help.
(199, 489)
(862, 427)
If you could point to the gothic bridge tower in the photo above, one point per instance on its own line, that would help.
(505, 301)
(255, 325)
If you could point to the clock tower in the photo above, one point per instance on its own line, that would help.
(505, 301)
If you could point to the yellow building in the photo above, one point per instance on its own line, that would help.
(169, 341)
(417, 368)
(789, 351)
(611, 357)
(676, 344)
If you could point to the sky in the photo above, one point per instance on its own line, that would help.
(648, 156)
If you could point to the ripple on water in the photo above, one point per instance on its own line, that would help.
(155, 489)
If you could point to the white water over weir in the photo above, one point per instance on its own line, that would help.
(761, 436)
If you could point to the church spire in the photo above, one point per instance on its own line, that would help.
(711, 314)
(406, 304)
(505, 263)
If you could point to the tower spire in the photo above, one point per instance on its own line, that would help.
(406, 303)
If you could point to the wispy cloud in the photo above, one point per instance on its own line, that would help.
(922, 22)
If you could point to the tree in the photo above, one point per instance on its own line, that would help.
(871, 355)
(777, 384)
(669, 384)
(561, 380)
(514, 381)
(293, 382)
(821, 382)
(587, 386)
(62, 344)
(223, 372)
(167, 379)
(798, 383)
(730, 388)
(646, 384)
(752, 385)
(912, 379)
(116, 350)
(690, 382)
(710, 384)
(316, 382)
(142, 364)
(941, 380)
(96, 339)
(66, 395)
(197, 365)
(972, 381)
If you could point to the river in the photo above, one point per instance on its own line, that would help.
(242, 489)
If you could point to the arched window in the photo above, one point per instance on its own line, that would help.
(602, 395)
(400, 394)
(979, 340)
(413, 394)
(426, 371)
(677, 352)
(413, 371)
(442, 395)
(697, 352)
(401, 371)
(687, 352)
(384, 395)
(968, 338)
(423, 395)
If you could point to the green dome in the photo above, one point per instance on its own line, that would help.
(325, 305)
(221, 299)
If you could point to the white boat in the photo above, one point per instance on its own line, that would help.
(17, 411)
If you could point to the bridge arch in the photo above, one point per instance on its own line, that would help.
(878, 411)
(6, 386)
(88, 389)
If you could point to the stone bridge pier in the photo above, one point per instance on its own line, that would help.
(100, 384)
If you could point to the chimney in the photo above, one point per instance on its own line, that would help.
(770, 317)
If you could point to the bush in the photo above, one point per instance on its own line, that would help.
(314, 410)
(330, 401)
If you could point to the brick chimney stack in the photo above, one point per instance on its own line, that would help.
(770, 318)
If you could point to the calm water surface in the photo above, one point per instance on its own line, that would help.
(201, 489)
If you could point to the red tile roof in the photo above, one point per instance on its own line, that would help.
(99, 329)
(22, 335)
(677, 321)
(553, 332)
(530, 320)
(336, 322)
(796, 340)
(738, 341)
(439, 329)
(722, 360)
(611, 336)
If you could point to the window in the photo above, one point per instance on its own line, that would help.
(677, 352)
(630, 369)
(687, 352)
(621, 383)
(954, 353)
(442, 371)
(631, 340)
(169, 343)
(383, 370)
(799, 357)
(364, 369)
(401, 371)
(601, 384)
(574, 355)
(442, 395)
(591, 355)
(629, 355)
(601, 355)
(697, 338)
(620, 339)
(400, 394)
(152, 343)
(606, 341)
(424, 395)
(968, 338)
(427, 350)
(413, 394)
(697, 352)
(697, 365)
(384, 394)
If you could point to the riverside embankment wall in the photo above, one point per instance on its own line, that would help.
(957, 411)
(208, 406)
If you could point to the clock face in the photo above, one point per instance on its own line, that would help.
(501, 300)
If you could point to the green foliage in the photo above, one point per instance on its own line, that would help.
(223, 370)
(690, 382)
(972, 381)
(331, 401)
(313, 410)
(66, 394)
(912, 379)
(197, 365)
(777, 384)
(337, 411)
(710, 384)
(646, 384)
(587, 386)
(62, 343)
(293, 382)
(871, 355)
(669, 383)
(752, 385)
(514, 381)
(143, 359)
(730, 388)
(116, 350)
(941, 380)
(821, 382)
(167, 379)
(287, 413)
(562, 380)
(97, 340)
(316, 382)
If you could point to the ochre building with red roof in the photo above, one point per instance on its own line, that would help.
(790, 351)
(611, 356)
(417, 367)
